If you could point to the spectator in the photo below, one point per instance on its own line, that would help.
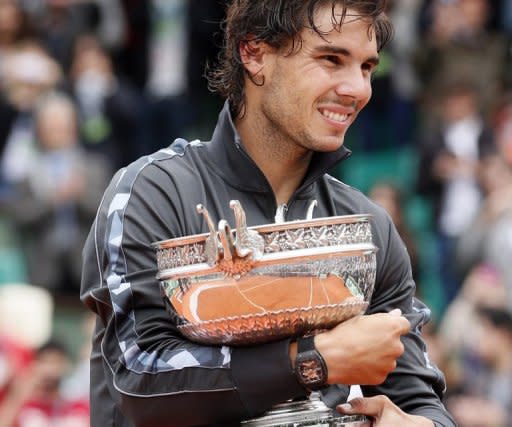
(503, 126)
(389, 119)
(390, 198)
(13, 26)
(485, 395)
(109, 107)
(482, 287)
(169, 110)
(61, 22)
(458, 45)
(449, 158)
(34, 399)
(28, 73)
(488, 239)
(55, 204)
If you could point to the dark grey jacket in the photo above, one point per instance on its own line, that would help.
(144, 373)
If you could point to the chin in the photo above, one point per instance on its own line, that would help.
(330, 144)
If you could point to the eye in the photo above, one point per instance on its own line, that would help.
(369, 68)
(333, 59)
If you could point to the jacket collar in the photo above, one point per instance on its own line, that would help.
(230, 159)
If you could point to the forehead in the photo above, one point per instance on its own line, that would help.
(338, 26)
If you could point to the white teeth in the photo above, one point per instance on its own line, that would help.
(335, 116)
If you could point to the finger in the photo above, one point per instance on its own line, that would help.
(405, 324)
(396, 312)
(371, 406)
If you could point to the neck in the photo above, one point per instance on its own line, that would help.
(283, 163)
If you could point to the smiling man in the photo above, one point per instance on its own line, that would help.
(295, 74)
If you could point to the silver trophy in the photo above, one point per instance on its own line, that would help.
(252, 285)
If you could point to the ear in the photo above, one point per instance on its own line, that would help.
(253, 54)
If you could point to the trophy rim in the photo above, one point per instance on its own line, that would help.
(268, 228)
(289, 256)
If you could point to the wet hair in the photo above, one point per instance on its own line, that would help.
(279, 23)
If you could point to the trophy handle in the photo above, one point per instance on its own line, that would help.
(211, 244)
(248, 242)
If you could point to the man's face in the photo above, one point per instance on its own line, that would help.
(310, 98)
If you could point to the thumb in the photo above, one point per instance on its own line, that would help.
(371, 406)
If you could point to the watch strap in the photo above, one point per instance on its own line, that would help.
(306, 343)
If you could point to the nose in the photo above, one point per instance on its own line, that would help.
(354, 83)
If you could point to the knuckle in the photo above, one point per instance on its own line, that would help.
(397, 350)
(356, 402)
(391, 366)
(401, 348)
(383, 400)
(381, 378)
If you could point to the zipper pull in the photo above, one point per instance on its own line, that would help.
(280, 216)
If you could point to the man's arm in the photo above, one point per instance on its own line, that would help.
(383, 350)
(416, 386)
(140, 360)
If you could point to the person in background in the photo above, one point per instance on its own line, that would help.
(28, 73)
(109, 108)
(458, 44)
(52, 207)
(14, 26)
(488, 239)
(449, 161)
(483, 286)
(502, 125)
(34, 398)
(483, 397)
(389, 196)
(295, 75)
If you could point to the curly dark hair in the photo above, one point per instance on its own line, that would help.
(277, 22)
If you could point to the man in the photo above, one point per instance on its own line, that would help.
(296, 73)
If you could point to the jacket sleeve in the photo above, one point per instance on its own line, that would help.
(140, 361)
(416, 385)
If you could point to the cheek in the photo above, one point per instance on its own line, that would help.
(367, 95)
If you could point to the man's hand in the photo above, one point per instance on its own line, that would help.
(364, 349)
(384, 412)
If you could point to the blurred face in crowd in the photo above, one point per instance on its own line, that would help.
(458, 105)
(492, 342)
(309, 98)
(29, 73)
(388, 197)
(56, 125)
(475, 13)
(49, 370)
(10, 20)
(494, 173)
(89, 57)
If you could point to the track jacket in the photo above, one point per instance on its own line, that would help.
(144, 373)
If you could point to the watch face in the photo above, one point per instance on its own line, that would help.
(310, 371)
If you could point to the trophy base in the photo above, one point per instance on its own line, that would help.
(311, 412)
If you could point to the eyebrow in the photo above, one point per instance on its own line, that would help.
(374, 60)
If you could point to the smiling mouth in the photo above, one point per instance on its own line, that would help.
(337, 117)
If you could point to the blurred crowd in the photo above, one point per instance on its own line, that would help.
(87, 86)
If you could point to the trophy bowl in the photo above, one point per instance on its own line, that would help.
(251, 285)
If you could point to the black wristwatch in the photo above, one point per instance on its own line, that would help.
(310, 366)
